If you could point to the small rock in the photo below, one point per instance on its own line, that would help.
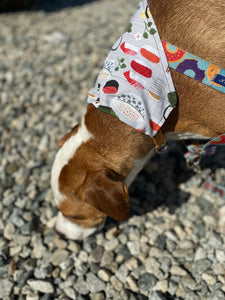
(39, 251)
(161, 241)
(132, 263)
(107, 259)
(104, 275)
(188, 282)
(97, 296)
(172, 288)
(74, 247)
(83, 256)
(218, 269)
(209, 279)
(134, 247)
(122, 273)
(165, 264)
(24, 277)
(94, 283)
(220, 256)
(217, 295)
(147, 281)
(40, 273)
(70, 293)
(161, 286)
(111, 244)
(58, 256)
(81, 286)
(54, 37)
(132, 284)
(200, 254)
(116, 283)
(32, 297)
(201, 265)
(185, 245)
(176, 270)
(6, 286)
(41, 286)
(96, 254)
(68, 283)
(22, 240)
(9, 231)
(152, 265)
(60, 244)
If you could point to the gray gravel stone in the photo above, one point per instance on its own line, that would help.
(81, 286)
(96, 254)
(94, 283)
(201, 265)
(147, 281)
(9, 231)
(173, 242)
(122, 273)
(6, 286)
(41, 286)
(134, 247)
(59, 256)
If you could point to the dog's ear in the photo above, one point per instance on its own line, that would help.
(67, 136)
(106, 193)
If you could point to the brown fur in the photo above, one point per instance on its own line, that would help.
(92, 181)
(197, 27)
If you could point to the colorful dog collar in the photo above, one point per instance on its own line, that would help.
(195, 67)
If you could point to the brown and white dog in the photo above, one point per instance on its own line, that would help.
(95, 164)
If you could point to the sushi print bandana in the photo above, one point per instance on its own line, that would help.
(135, 84)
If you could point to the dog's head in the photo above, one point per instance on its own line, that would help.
(85, 188)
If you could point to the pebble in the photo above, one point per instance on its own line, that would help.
(59, 256)
(41, 286)
(132, 284)
(220, 255)
(94, 283)
(96, 254)
(134, 247)
(74, 247)
(122, 273)
(132, 263)
(104, 275)
(81, 286)
(9, 231)
(147, 281)
(111, 244)
(116, 283)
(209, 279)
(70, 293)
(106, 259)
(176, 270)
(6, 286)
(172, 245)
(201, 265)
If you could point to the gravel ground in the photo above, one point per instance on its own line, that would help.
(172, 246)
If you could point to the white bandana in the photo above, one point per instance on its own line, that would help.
(135, 84)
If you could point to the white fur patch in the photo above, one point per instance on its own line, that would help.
(73, 231)
(64, 155)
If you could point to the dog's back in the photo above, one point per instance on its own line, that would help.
(197, 27)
